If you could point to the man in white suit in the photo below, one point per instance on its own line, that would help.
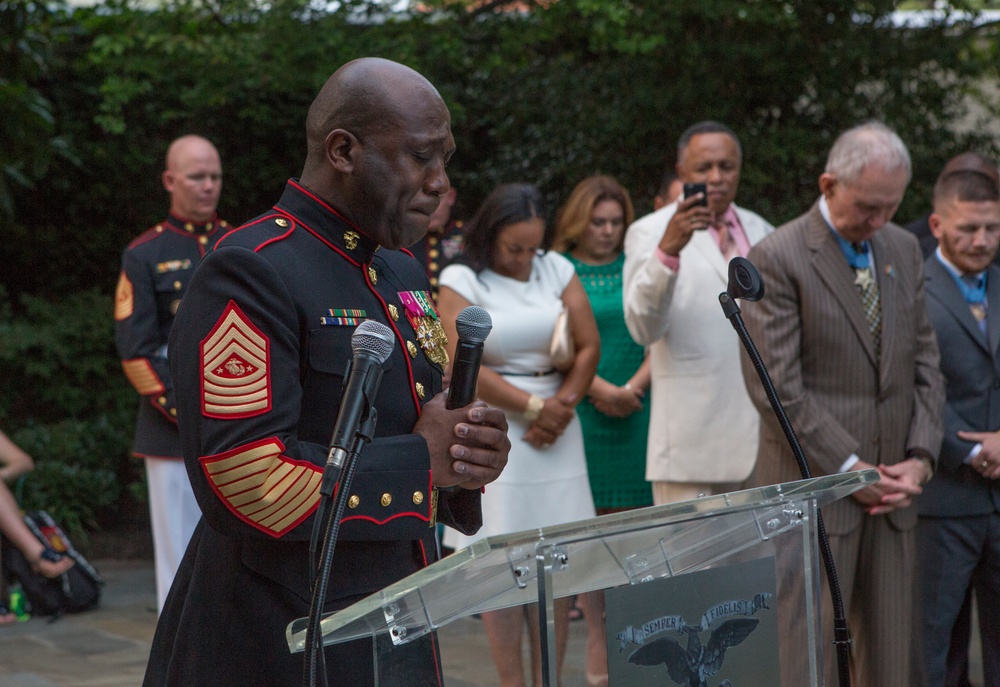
(703, 427)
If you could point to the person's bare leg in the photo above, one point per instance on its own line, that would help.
(597, 648)
(13, 527)
(561, 612)
(14, 462)
(6, 617)
(504, 629)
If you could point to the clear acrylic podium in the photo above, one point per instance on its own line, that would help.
(770, 528)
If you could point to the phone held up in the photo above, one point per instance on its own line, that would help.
(695, 189)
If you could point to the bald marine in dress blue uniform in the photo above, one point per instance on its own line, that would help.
(156, 270)
(258, 355)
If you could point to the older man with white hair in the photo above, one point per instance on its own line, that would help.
(844, 332)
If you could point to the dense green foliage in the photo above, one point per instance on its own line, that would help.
(546, 95)
(66, 402)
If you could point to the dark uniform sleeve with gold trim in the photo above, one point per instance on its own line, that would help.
(259, 450)
(262, 376)
(142, 324)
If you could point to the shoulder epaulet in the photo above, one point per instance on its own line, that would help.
(146, 236)
(259, 232)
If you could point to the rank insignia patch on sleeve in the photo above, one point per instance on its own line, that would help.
(235, 381)
(124, 302)
(263, 487)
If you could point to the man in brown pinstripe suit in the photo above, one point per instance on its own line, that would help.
(860, 381)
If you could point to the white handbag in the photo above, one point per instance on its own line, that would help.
(562, 349)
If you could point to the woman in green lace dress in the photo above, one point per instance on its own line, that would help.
(590, 231)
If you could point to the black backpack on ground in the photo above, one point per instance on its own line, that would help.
(77, 589)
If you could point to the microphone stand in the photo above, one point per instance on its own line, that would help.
(315, 657)
(745, 282)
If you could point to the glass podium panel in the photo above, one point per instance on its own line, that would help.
(682, 578)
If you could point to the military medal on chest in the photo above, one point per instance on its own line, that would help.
(423, 317)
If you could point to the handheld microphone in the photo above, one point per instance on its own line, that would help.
(372, 343)
(474, 325)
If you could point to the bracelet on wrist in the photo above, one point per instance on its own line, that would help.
(628, 386)
(534, 409)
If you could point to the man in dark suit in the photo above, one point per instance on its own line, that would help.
(845, 334)
(969, 161)
(959, 529)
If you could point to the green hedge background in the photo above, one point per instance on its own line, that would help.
(543, 92)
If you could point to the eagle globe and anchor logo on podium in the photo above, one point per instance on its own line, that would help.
(733, 642)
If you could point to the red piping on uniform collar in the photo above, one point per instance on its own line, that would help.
(201, 225)
(329, 208)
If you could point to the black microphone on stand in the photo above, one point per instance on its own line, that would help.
(745, 282)
(372, 344)
(474, 324)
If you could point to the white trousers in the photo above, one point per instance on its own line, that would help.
(174, 513)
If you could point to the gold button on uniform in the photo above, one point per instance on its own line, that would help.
(412, 348)
(203, 240)
(433, 266)
(173, 412)
(386, 499)
(353, 502)
(393, 312)
(420, 390)
(418, 498)
(433, 252)
(177, 285)
(159, 228)
(162, 400)
(281, 222)
(188, 226)
(208, 227)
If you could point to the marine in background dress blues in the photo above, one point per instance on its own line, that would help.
(156, 271)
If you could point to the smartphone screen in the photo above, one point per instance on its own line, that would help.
(695, 189)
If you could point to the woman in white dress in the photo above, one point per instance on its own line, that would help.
(505, 269)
